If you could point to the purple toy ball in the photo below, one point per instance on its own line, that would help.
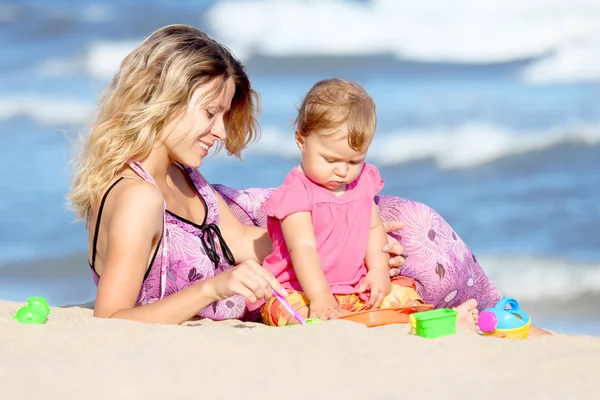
(487, 322)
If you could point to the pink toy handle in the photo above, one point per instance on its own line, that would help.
(288, 307)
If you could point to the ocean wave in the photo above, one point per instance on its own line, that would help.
(103, 57)
(535, 279)
(504, 32)
(463, 32)
(571, 63)
(465, 146)
(50, 111)
(100, 60)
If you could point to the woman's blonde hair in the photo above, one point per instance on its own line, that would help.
(154, 84)
(338, 107)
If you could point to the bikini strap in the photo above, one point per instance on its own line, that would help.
(98, 218)
(141, 171)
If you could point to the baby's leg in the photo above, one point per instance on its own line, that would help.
(275, 314)
(404, 294)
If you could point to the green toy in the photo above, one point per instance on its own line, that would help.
(309, 321)
(434, 323)
(35, 312)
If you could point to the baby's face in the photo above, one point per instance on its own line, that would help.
(329, 161)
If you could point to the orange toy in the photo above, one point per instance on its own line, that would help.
(386, 316)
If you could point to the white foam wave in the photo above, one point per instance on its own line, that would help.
(431, 30)
(103, 57)
(59, 67)
(577, 62)
(100, 60)
(462, 147)
(536, 278)
(46, 110)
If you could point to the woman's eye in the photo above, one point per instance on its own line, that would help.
(354, 162)
(210, 115)
(329, 160)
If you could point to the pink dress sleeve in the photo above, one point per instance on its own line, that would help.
(371, 179)
(289, 198)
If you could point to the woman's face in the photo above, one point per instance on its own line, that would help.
(190, 137)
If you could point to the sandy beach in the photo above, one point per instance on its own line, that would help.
(77, 356)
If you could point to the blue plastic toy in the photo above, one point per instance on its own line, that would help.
(505, 320)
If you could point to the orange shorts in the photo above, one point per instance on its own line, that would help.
(403, 291)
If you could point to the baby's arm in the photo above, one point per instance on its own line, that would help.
(299, 235)
(378, 278)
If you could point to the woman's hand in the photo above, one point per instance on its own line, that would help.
(394, 248)
(248, 279)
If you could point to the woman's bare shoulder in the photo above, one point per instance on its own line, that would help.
(134, 200)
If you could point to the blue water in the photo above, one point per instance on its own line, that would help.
(510, 164)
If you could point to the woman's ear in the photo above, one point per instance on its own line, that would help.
(299, 140)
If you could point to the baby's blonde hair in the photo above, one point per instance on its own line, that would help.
(153, 85)
(339, 107)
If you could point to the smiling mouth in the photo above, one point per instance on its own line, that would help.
(205, 147)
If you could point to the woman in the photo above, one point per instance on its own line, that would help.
(164, 246)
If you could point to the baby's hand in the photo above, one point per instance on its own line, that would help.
(325, 308)
(377, 283)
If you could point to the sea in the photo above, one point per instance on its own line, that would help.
(488, 111)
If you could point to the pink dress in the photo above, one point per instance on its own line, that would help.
(341, 226)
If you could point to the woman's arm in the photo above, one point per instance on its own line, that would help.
(246, 242)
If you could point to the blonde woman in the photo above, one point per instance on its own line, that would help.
(164, 245)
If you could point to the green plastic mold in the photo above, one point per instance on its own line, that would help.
(434, 323)
(35, 312)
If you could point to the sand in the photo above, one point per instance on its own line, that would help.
(77, 356)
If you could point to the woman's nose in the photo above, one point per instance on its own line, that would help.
(218, 129)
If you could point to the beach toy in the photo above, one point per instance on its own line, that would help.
(503, 322)
(40, 303)
(434, 323)
(379, 317)
(288, 307)
(385, 316)
(35, 312)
